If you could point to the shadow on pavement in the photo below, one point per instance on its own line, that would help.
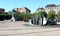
(53, 26)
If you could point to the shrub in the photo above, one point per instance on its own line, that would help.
(7, 16)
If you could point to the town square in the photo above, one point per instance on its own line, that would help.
(20, 28)
(29, 17)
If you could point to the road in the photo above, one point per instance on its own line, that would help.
(20, 28)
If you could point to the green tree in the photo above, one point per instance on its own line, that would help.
(24, 16)
(42, 13)
(10, 12)
(51, 14)
(17, 12)
(58, 15)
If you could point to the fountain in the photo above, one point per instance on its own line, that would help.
(39, 20)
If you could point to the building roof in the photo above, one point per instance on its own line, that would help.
(40, 8)
(2, 9)
(51, 5)
(27, 9)
(23, 8)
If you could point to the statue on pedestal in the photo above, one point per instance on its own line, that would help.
(13, 16)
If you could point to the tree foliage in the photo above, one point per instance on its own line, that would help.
(51, 14)
(58, 15)
(43, 13)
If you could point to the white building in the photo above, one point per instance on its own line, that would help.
(22, 10)
(49, 7)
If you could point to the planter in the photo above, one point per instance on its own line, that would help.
(26, 20)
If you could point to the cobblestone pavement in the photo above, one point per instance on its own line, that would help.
(20, 28)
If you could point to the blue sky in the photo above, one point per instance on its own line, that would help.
(31, 4)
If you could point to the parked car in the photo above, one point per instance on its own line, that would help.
(51, 22)
(58, 20)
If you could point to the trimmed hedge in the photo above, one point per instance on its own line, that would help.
(19, 17)
(5, 16)
(1, 17)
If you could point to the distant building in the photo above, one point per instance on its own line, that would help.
(2, 10)
(40, 9)
(22, 10)
(49, 7)
(52, 7)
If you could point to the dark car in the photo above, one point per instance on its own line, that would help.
(51, 22)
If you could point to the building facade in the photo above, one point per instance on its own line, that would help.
(2, 11)
(22, 10)
(40, 9)
(49, 7)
